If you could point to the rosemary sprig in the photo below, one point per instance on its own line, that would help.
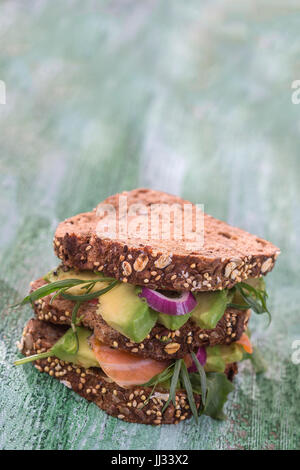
(256, 299)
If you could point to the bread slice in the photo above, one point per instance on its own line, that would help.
(161, 344)
(229, 254)
(127, 404)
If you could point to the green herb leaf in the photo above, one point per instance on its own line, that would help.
(92, 295)
(202, 376)
(173, 386)
(35, 357)
(57, 285)
(256, 299)
(189, 390)
(218, 389)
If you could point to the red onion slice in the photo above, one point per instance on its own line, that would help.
(181, 305)
(201, 356)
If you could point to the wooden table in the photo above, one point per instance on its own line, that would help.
(192, 98)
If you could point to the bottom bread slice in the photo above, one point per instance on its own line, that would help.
(129, 404)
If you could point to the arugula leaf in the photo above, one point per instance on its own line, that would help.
(218, 389)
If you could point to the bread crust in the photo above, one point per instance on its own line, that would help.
(229, 254)
(161, 343)
(125, 404)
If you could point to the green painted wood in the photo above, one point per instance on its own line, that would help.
(188, 97)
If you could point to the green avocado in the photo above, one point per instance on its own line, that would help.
(173, 322)
(126, 312)
(64, 348)
(59, 275)
(219, 356)
(210, 308)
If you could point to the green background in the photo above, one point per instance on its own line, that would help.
(193, 98)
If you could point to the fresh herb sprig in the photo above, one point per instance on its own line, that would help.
(65, 345)
(61, 289)
(178, 373)
(253, 298)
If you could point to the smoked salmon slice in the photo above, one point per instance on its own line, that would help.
(246, 343)
(125, 368)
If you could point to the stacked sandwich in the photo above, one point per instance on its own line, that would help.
(147, 328)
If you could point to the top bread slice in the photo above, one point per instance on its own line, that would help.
(229, 255)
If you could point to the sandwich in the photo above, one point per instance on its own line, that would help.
(141, 318)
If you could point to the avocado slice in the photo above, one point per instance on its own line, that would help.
(84, 356)
(219, 356)
(126, 312)
(59, 275)
(173, 322)
(210, 308)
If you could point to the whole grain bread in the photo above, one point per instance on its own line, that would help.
(127, 404)
(166, 259)
(161, 343)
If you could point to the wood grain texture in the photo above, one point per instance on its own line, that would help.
(187, 97)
